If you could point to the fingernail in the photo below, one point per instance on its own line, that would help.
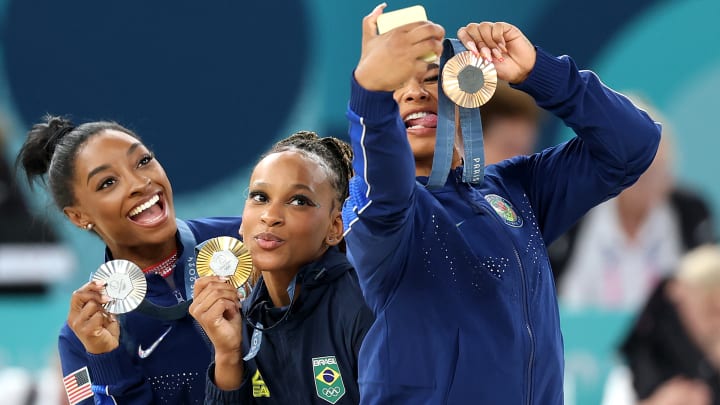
(472, 48)
(223, 278)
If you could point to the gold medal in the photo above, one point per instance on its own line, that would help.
(469, 81)
(124, 283)
(225, 256)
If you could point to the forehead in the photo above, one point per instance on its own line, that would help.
(290, 167)
(106, 148)
(108, 142)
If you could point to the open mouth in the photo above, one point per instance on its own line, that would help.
(420, 119)
(148, 213)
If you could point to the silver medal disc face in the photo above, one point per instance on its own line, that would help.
(124, 283)
(223, 263)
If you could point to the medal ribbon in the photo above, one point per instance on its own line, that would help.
(472, 135)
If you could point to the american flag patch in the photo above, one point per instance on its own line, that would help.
(77, 386)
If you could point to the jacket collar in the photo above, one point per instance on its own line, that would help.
(314, 279)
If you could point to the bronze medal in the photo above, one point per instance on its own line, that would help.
(469, 81)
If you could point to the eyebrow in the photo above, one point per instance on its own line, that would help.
(100, 168)
(294, 186)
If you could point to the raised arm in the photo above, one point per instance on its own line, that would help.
(376, 215)
(616, 141)
(216, 308)
(90, 349)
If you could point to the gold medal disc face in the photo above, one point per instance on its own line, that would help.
(124, 283)
(469, 81)
(225, 256)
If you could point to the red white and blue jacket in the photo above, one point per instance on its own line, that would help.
(157, 362)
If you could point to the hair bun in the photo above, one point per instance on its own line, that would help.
(37, 152)
(57, 128)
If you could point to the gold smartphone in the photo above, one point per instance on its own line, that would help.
(393, 19)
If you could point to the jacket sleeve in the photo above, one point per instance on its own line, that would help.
(615, 144)
(216, 396)
(114, 377)
(381, 193)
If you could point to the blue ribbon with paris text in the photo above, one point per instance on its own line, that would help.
(470, 125)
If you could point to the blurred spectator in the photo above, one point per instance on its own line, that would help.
(673, 350)
(621, 249)
(30, 255)
(20, 386)
(510, 122)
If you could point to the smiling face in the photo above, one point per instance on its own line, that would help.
(124, 192)
(291, 214)
(418, 103)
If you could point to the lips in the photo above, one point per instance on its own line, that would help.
(268, 241)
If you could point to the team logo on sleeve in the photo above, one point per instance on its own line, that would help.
(505, 210)
(258, 386)
(328, 381)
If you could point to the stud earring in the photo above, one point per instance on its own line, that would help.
(89, 227)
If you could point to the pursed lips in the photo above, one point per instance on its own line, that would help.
(267, 240)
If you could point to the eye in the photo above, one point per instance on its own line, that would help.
(145, 160)
(431, 79)
(301, 200)
(105, 183)
(257, 197)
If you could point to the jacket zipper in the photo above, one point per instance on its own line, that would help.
(526, 310)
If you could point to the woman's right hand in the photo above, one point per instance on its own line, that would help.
(216, 307)
(402, 49)
(98, 331)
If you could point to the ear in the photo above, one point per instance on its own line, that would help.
(240, 230)
(77, 216)
(335, 230)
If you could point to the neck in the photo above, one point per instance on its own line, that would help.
(146, 255)
(277, 285)
(424, 167)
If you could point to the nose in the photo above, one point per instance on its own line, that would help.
(139, 184)
(272, 215)
(413, 91)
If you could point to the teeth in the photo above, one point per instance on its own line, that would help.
(416, 127)
(142, 207)
(415, 115)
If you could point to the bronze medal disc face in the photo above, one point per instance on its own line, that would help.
(469, 81)
(225, 256)
(125, 284)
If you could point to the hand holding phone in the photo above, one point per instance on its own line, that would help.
(397, 18)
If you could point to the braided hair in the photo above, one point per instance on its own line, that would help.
(332, 154)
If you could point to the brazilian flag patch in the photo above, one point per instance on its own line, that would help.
(328, 380)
